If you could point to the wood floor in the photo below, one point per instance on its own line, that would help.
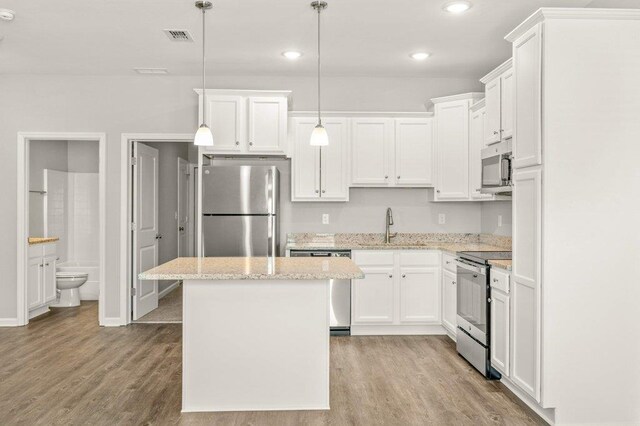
(64, 369)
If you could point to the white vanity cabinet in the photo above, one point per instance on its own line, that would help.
(41, 278)
(499, 103)
(246, 122)
(500, 320)
(400, 293)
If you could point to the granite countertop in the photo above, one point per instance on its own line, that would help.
(504, 264)
(42, 240)
(254, 268)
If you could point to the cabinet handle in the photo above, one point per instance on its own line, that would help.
(448, 262)
(237, 143)
(250, 143)
(495, 280)
(495, 132)
(41, 265)
(386, 177)
(390, 275)
(317, 191)
(323, 191)
(398, 177)
(488, 299)
(404, 276)
(453, 282)
(438, 191)
(46, 264)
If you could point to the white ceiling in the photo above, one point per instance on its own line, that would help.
(372, 37)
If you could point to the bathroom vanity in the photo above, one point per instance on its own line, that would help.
(255, 330)
(41, 275)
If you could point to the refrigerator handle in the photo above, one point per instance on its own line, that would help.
(270, 191)
(271, 240)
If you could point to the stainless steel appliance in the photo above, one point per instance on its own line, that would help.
(240, 211)
(340, 292)
(473, 299)
(496, 168)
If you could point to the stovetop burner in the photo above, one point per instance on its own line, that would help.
(484, 257)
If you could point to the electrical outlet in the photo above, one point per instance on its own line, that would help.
(499, 220)
(325, 219)
(442, 219)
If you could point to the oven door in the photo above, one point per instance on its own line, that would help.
(472, 289)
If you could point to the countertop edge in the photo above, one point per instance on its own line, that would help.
(248, 277)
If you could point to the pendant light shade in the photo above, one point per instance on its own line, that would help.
(203, 136)
(319, 135)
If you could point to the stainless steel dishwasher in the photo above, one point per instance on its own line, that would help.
(340, 292)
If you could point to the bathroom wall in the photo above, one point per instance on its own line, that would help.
(83, 156)
(56, 206)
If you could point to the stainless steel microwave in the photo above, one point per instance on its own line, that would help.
(496, 168)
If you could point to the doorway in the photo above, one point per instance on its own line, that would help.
(61, 216)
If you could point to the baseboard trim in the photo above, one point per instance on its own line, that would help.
(398, 330)
(547, 414)
(90, 296)
(39, 311)
(9, 322)
(168, 290)
(112, 322)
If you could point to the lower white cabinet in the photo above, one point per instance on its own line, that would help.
(500, 321)
(449, 300)
(41, 277)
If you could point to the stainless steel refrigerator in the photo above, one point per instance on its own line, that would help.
(240, 211)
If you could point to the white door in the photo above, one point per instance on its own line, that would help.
(492, 102)
(183, 208)
(449, 308)
(305, 162)
(452, 141)
(373, 296)
(334, 185)
(49, 278)
(476, 143)
(500, 331)
(225, 117)
(267, 124)
(35, 296)
(525, 279)
(506, 104)
(419, 295)
(146, 228)
(414, 152)
(527, 125)
(371, 140)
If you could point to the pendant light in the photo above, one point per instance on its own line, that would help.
(203, 137)
(319, 135)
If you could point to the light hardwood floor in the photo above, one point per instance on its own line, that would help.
(64, 369)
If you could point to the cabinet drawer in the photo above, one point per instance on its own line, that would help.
(419, 258)
(373, 257)
(49, 249)
(448, 262)
(500, 280)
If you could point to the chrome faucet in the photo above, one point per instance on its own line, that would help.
(388, 235)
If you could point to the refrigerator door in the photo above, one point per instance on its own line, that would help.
(232, 236)
(237, 190)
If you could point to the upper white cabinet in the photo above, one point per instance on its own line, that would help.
(245, 122)
(371, 151)
(413, 152)
(452, 146)
(476, 144)
(320, 173)
(499, 103)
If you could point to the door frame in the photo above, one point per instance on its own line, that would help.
(126, 189)
(189, 209)
(24, 138)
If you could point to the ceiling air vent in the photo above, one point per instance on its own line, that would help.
(178, 35)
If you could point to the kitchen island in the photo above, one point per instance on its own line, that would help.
(255, 330)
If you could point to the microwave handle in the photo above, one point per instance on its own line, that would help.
(505, 169)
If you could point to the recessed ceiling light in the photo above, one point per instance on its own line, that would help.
(420, 56)
(7, 15)
(151, 70)
(457, 6)
(292, 54)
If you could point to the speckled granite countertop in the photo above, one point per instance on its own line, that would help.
(449, 242)
(42, 240)
(254, 268)
(504, 264)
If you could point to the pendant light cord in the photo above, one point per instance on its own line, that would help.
(204, 115)
(319, 116)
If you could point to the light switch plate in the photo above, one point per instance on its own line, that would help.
(442, 219)
(325, 219)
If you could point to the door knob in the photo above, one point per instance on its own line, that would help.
(237, 143)
(158, 236)
(250, 143)
(181, 228)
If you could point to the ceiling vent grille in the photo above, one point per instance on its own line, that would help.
(178, 35)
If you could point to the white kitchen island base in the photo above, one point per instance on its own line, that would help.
(252, 345)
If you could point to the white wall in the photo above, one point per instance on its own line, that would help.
(490, 212)
(83, 156)
(158, 104)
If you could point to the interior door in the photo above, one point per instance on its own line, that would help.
(146, 233)
(183, 208)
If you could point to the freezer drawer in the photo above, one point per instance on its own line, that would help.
(231, 236)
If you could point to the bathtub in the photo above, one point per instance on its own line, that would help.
(91, 289)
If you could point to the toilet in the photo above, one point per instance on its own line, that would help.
(68, 284)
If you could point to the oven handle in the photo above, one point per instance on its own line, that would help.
(470, 267)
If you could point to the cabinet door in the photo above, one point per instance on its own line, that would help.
(506, 104)
(334, 164)
(413, 152)
(225, 117)
(35, 295)
(267, 125)
(527, 68)
(476, 143)
(49, 278)
(419, 295)
(452, 142)
(525, 280)
(373, 296)
(500, 331)
(492, 102)
(449, 306)
(371, 139)
(305, 163)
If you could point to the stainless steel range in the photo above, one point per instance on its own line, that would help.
(473, 298)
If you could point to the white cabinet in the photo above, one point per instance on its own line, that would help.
(413, 152)
(500, 321)
(449, 301)
(320, 173)
(419, 287)
(452, 146)
(476, 144)
(499, 103)
(41, 277)
(246, 122)
(371, 149)
(373, 297)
